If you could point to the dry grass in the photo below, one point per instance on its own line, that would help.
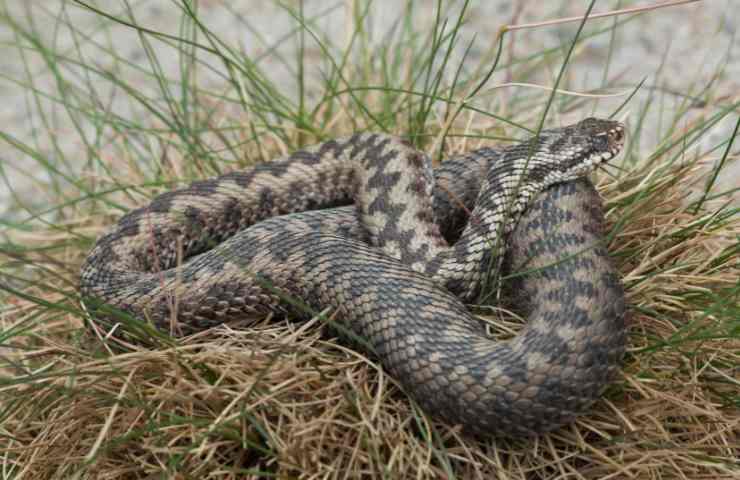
(284, 399)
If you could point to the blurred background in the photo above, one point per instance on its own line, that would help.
(686, 56)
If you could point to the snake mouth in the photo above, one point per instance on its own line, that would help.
(615, 138)
(610, 148)
(594, 142)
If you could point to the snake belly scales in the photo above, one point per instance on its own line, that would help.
(238, 245)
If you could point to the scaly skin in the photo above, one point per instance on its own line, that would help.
(390, 294)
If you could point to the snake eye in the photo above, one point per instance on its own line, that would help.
(616, 135)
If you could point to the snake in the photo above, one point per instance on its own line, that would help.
(396, 250)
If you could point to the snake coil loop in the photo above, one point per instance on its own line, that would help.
(386, 266)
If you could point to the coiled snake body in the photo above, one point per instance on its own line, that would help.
(386, 268)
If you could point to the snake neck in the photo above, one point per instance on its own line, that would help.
(394, 202)
(394, 186)
(396, 210)
(473, 262)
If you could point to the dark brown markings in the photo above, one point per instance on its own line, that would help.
(383, 180)
(538, 172)
(417, 160)
(306, 158)
(244, 179)
(209, 186)
(336, 148)
(266, 204)
(418, 186)
(371, 148)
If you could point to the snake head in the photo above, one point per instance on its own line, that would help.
(585, 145)
(561, 154)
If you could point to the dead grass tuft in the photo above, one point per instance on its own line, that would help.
(282, 399)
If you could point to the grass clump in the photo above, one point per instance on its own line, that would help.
(284, 399)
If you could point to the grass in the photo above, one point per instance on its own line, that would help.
(284, 399)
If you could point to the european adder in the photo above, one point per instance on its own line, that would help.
(397, 266)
